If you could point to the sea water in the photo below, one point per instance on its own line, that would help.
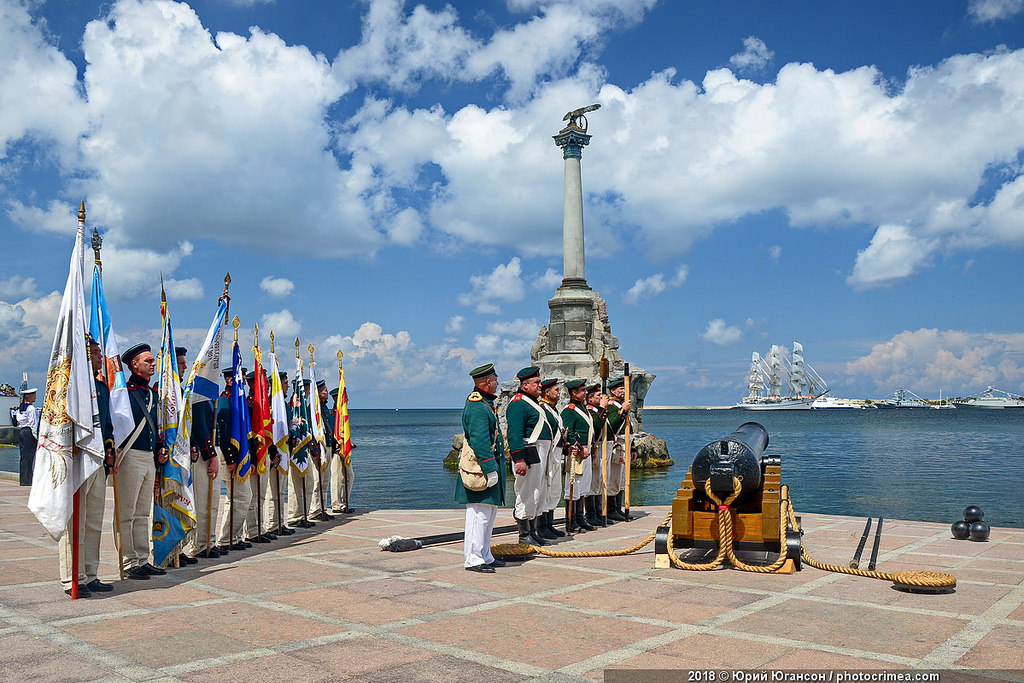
(923, 465)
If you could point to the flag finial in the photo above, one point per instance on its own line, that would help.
(272, 341)
(81, 212)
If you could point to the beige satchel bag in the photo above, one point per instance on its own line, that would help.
(473, 478)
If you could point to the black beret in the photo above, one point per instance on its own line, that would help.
(132, 351)
(180, 351)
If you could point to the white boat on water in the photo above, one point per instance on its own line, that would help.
(835, 403)
(781, 382)
(990, 401)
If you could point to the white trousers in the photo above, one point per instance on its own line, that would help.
(552, 480)
(259, 493)
(295, 494)
(90, 524)
(597, 471)
(321, 480)
(616, 468)
(581, 486)
(232, 533)
(530, 488)
(273, 504)
(136, 474)
(341, 482)
(479, 526)
(201, 489)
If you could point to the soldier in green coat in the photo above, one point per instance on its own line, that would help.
(579, 432)
(529, 440)
(480, 429)
(618, 413)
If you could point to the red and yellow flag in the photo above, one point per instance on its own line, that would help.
(341, 429)
(262, 427)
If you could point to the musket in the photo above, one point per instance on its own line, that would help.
(603, 369)
(627, 447)
(855, 562)
(571, 463)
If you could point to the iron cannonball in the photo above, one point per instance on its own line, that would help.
(961, 530)
(973, 513)
(980, 531)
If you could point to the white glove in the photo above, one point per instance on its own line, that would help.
(492, 479)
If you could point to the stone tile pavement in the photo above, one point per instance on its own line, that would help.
(326, 604)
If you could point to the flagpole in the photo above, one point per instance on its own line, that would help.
(277, 471)
(320, 466)
(74, 542)
(259, 499)
(97, 245)
(337, 407)
(209, 491)
(305, 513)
(235, 322)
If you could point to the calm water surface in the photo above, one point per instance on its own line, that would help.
(922, 465)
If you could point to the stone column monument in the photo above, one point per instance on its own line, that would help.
(578, 334)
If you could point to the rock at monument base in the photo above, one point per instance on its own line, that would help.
(649, 452)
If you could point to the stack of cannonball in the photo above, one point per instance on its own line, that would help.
(973, 525)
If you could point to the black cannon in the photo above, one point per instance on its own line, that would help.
(740, 455)
(758, 515)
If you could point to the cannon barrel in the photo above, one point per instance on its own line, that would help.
(740, 454)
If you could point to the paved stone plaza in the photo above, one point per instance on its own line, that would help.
(326, 604)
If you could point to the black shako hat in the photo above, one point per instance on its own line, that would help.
(527, 373)
(132, 351)
(483, 371)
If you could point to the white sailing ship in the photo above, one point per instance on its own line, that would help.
(989, 401)
(781, 382)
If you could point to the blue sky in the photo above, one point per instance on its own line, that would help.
(379, 177)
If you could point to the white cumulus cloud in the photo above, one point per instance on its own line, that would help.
(894, 253)
(984, 11)
(721, 334)
(755, 55)
(277, 287)
(282, 323)
(645, 288)
(503, 284)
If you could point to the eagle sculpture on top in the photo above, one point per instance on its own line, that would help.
(576, 114)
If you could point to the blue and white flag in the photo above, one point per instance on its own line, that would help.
(203, 383)
(103, 332)
(239, 416)
(168, 533)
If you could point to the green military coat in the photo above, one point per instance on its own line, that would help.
(480, 428)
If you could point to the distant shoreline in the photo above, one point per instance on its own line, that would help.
(687, 407)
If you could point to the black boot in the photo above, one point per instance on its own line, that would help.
(592, 513)
(534, 535)
(614, 513)
(581, 517)
(524, 531)
(544, 529)
(549, 520)
(619, 499)
(570, 520)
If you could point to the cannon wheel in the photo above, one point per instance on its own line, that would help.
(794, 547)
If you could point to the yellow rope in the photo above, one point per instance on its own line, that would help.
(726, 550)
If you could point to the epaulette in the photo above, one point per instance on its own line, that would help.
(517, 397)
(571, 406)
(475, 396)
